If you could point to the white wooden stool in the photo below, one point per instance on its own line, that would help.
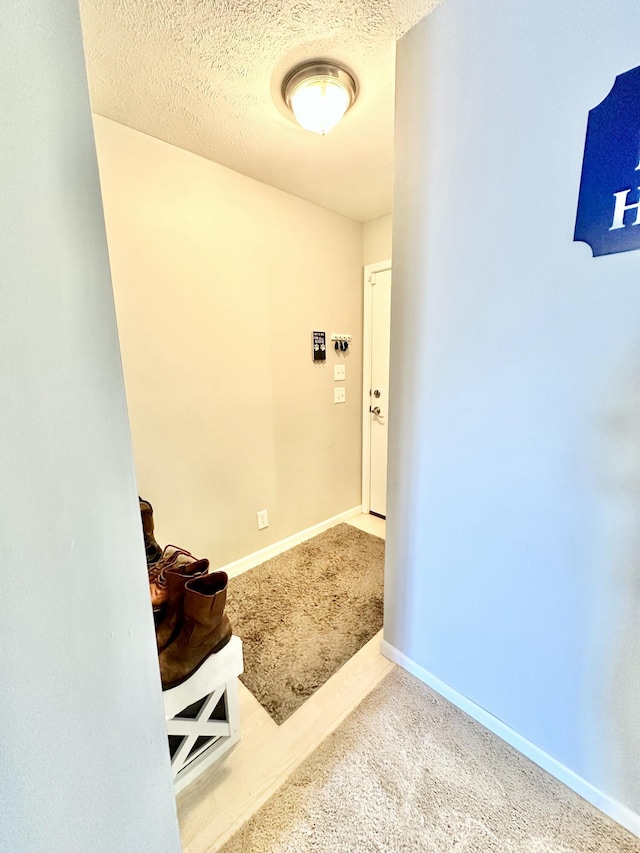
(202, 714)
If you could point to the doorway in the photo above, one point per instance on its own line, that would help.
(375, 386)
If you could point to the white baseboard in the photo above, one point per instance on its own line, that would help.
(252, 560)
(621, 814)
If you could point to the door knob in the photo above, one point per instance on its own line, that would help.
(375, 410)
(376, 393)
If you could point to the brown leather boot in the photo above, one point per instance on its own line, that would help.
(205, 629)
(175, 580)
(172, 559)
(153, 550)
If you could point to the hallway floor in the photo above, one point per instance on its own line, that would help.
(213, 807)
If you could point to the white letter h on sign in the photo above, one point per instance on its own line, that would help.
(621, 208)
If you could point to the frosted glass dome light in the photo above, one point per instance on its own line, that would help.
(319, 94)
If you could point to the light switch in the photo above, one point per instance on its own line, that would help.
(338, 372)
(339, 395)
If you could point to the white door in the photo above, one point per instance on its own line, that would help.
(380, 300)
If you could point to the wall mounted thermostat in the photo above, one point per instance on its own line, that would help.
(319, 346)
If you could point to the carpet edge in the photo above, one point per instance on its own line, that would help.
(603, 802)
(251, 561)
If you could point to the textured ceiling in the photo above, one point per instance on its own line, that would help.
(205, 75)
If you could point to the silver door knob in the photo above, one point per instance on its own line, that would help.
(375, 410)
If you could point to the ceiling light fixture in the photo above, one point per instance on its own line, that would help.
(319, 93)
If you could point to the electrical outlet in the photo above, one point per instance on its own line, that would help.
(339, 395)
(263, 519)
(338, 372)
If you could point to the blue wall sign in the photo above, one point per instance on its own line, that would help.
(608, 217)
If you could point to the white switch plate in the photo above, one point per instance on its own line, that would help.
(263, 519)
(338, 372)
(339, 395)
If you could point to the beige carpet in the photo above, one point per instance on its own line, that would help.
(409, 772)
(303, 614)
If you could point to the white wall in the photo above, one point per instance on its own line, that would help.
(376, 240)
(85, 763)
(219, 282)
(513, 548)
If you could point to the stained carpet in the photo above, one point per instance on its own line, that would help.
(303, 614)
(407, 772)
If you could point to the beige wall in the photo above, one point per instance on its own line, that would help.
(376, 244)
(219, 282)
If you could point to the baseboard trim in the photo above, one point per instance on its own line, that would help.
(252, 560)
(620, 813)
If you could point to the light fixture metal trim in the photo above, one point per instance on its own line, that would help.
(315, 71)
